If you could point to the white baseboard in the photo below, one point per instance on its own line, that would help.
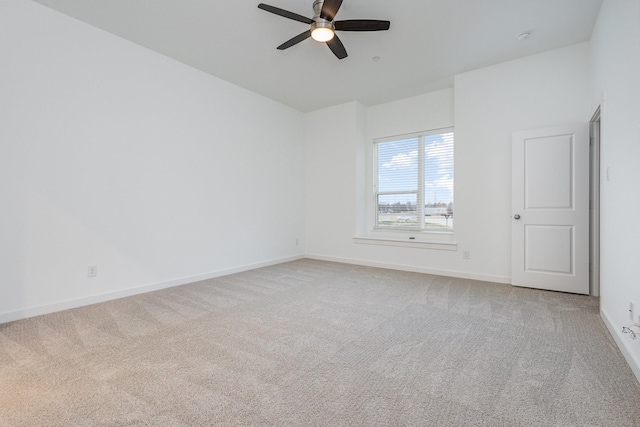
(108, 296)
(449, 273)
(623, 343)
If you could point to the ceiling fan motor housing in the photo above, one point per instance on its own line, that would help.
(322, 23)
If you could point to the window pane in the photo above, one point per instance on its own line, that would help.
(397, 210)
(414, 181)
(438, 181)
(398, 165)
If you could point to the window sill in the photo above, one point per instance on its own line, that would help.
(423, 243)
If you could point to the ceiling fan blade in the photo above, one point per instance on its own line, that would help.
(337, 47)
(362, 25)
(294, 41)
(329, 9)
(285, 13)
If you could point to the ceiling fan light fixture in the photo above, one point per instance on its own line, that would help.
(322, 31)
(322, 34)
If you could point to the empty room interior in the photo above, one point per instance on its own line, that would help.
(210, 218)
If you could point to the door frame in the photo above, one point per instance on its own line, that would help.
(594, 202)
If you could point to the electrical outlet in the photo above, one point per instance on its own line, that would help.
(465, 254)
(632, 311)
(92, 271)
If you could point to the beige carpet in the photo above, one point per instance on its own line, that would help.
(311, 343)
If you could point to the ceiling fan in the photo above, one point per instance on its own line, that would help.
(323, 26)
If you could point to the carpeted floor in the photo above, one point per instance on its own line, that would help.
(311, 343)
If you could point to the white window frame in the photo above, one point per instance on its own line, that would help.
(414, 236)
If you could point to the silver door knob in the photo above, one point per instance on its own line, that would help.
(516, 216)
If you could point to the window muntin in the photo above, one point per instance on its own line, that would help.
(413, 182)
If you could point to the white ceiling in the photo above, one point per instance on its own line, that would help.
(428, 43)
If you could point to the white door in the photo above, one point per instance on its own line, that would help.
(550, 209)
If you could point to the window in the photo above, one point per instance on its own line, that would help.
(413, 182)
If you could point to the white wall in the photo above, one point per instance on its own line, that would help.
(615, 78)
(488, 105)
(491, 103)
(336, 175)
(115, 156)
(331, 173)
